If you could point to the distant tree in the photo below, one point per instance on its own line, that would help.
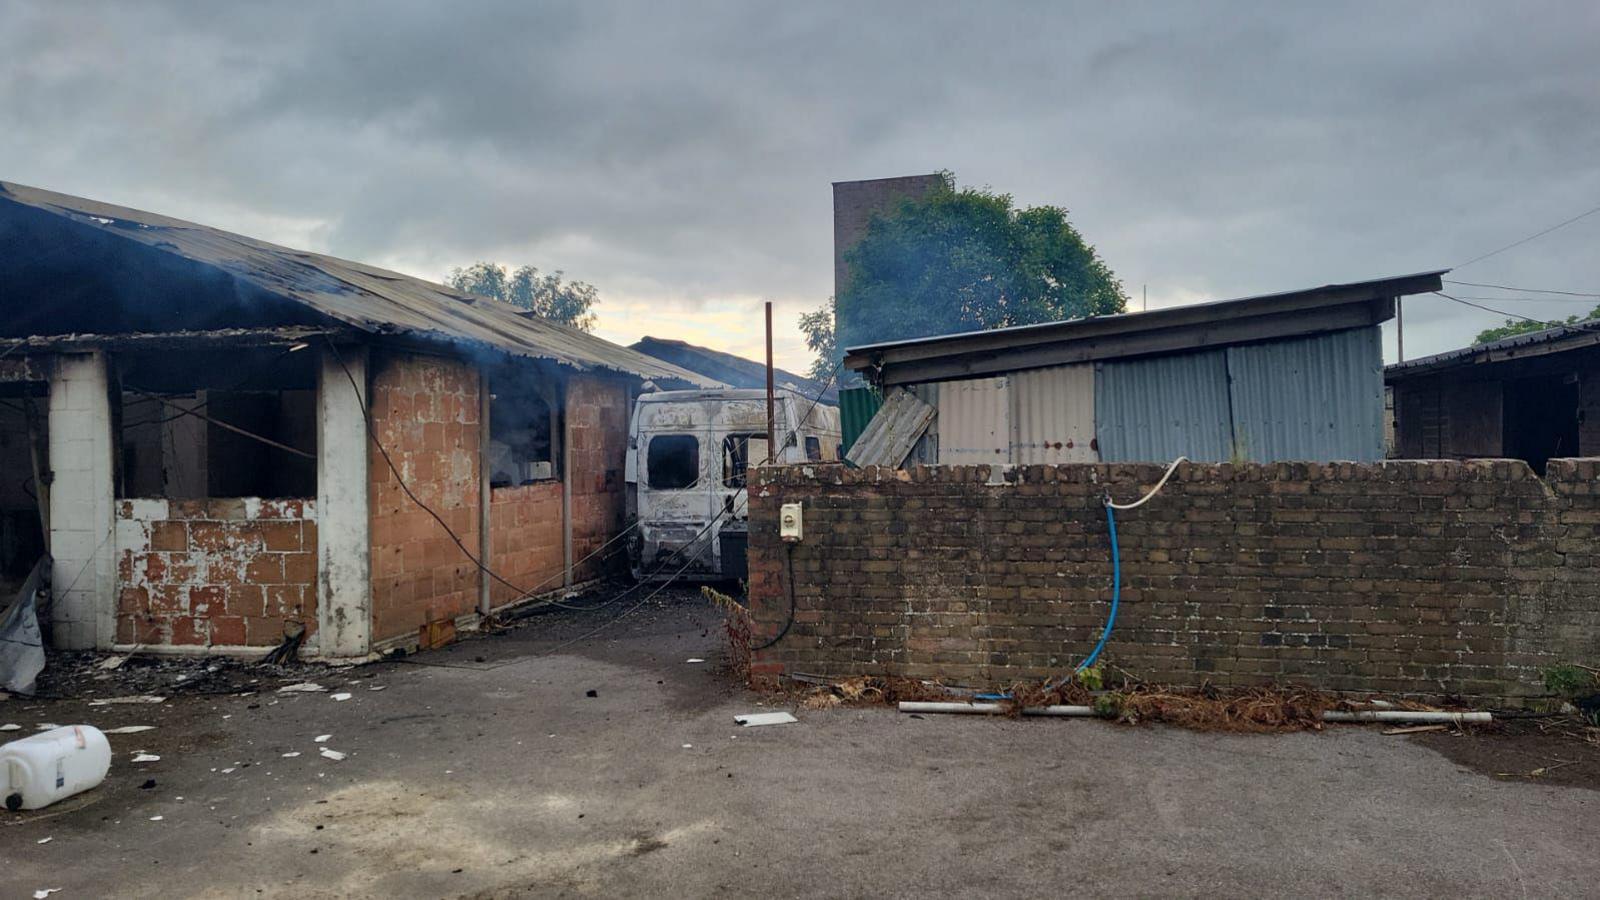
(818, 328)
(1514, 327)
(959, 260)
(547, 295)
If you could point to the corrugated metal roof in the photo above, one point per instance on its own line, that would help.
(371, 299)
(1317, 398)
(892, 432)
(734, 371)
(1550, 340)
(1177, 329)
(1052, 418)
(974, 422)
(1163, 407)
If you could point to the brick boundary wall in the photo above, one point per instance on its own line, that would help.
(1415, 578)
(215, 573)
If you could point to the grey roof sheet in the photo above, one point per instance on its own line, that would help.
(1586, 335)
(365, 297)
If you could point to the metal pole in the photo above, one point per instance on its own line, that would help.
(772, 448)
(1400, 328)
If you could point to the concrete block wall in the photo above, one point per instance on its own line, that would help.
(598, 410)
(525, 540)
(81, 524)
(215, 573)
(425, 412)
(1422, 578)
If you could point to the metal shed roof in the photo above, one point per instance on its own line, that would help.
(1534, 343)
(1219, 323)
(364, 297)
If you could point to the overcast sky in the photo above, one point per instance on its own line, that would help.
(679, 155)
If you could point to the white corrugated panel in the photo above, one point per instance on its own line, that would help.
(1053, 416)
(975, 422)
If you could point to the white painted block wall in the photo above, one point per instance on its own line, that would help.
(344, 563)
(81, 497)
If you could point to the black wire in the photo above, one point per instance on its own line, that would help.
(789, 580)
(1530, 237)
(772, 452)
(1576, 326)
(1525, 290)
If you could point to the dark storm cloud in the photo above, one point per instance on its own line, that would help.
(682, 153)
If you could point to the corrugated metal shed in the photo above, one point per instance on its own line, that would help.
(974, 422)
(857, 406)
(362, 296)
(892, 432)
(1052, 418)
(1318, 398)
(1163, 407)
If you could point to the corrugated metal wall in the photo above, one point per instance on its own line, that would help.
(1317, 398)
(1163, 407)
(974, 422)
(1052, 418)
(857, 406)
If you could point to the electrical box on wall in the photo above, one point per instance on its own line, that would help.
(789, 522)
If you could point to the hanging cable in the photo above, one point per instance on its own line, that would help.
(1515, 244)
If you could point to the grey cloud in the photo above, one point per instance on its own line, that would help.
(685, 150)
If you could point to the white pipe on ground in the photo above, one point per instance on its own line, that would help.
(922, 706)
(1405, 715)
(1378, 715)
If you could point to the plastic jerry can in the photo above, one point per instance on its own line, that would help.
(53, 765)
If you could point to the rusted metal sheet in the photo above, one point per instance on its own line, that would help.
(1316, 398)
(974, 422)
(1158, 408)
(365, 297)
(1052, 419)
(892, 432)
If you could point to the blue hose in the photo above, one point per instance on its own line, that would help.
(1116, 592)
(1111, 618)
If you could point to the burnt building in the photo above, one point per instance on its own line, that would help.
(220, 441)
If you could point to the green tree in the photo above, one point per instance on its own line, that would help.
(547, 295)
(817, 326)
(965, 259)
(1514, 327)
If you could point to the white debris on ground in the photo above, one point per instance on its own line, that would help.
(302, 687)
(342, 695)
(321, 737)
(137, 698)
(334, 755)
(139, 756)
(751, 720)
(129, 729)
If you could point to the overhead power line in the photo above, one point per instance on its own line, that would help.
(1577, 326)
(1531, 237)
(1523, 290)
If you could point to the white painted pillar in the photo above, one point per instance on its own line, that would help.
(84, 612)
(344, 546)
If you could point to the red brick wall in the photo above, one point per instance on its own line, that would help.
(425, 413)
(215, 573)
(1407, 577)
(599, 414)
(525, 540)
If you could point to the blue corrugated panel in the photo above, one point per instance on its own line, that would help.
(1317, 398)
(1156, 409)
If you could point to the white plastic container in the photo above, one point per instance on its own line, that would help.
(53, 765)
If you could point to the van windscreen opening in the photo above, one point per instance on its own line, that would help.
(672, 461)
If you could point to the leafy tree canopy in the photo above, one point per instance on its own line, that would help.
(1514, 327)
(962, 260)
(547, 295)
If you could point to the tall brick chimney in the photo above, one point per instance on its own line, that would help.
(854, 204)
